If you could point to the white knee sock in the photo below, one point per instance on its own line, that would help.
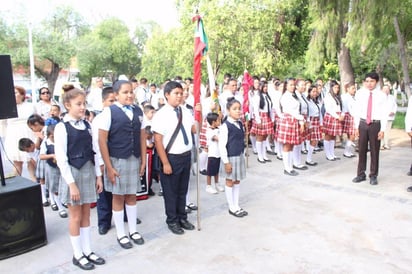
(77, 246)
(286, 166)
(267, 144)
(296, 155)
(326, 148)
(43, 193)
(229, 198)
(280, 148)
(203, 160)
(253, 141)
(131, 212)
(310, 153)
(57, 201)
(259, 150)
(236, 190)
(290, 158)
(119, 224)
(52, 197)
(332, 148)
(348, 148)
(85, 239)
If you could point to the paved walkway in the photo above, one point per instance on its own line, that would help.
(318, 222)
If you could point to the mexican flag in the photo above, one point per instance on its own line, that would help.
(201, 47)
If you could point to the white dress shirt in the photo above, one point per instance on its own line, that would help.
(291, 105)
(379, 110)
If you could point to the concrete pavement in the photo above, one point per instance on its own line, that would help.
(317, 222)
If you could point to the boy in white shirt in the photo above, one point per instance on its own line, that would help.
(213, 154)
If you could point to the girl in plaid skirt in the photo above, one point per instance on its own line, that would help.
(348, 102)
(315, 122)
(291, 125)
(333, 120)
(263, 124)
(74, 155)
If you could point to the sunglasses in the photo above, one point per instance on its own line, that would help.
(46, 92)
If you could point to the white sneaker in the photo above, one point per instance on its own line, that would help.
(210, 189)
(219, 187)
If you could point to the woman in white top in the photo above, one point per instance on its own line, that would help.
(391, 110)
(315, 122)
(45, 103)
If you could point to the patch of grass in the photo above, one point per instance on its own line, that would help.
(399, 121)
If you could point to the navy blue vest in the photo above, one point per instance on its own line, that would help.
(50, 150)
(124, 134)
(79, 145)
(235, 140)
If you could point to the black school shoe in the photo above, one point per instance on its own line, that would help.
(83, 263)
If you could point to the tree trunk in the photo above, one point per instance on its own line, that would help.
(403, 56)
(345, 66)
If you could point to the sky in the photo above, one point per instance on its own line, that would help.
(161, 11)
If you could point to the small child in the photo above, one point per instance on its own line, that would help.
(36, 123)
(52, 172)
(54, 116)
(213, 155)
(231, 147)
(27, 145)
(149, 111)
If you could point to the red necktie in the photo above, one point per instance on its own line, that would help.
(369, 113)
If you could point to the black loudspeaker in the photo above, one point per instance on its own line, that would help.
(8, 108)
(22, 225)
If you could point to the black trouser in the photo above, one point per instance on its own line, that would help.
(104, 209)
(175, 187)
(369, 134)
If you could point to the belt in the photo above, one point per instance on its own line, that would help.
(372, 121)
(181, 154)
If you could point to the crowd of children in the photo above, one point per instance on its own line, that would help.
(116, 145)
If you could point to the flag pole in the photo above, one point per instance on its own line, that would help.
(198, 126)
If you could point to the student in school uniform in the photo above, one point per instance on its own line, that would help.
(174, 157)
(81, 179)
(213, 161)
(104, 203)
(51, 171)
(348, 102)
(315, 122)
(263, 125)
(303, 109)
(231, 148)
(333, 120)
(122, 143)
(291, 125)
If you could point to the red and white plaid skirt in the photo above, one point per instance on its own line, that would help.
(348, 124)
(276, 127)
(265, 127)
(202, 134)
(332, 126)
(305, 134)
(315, 134)
(288, 130)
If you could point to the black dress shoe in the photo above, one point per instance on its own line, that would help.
(267, 160)
(409, 189)
(373, 181)
(301, 167)
(261, 161)
(125, 245)
(359, 179)
(46, 203)
(137, 238)
(271, 152)
(192, 206)
(103, 230)
(175, 228)
(83, 263)
(185, 224)
(349, 156)
(292, 173)
(237, 213)
(138, 221)
(280, 158)
(95, 259)
(331, 159)
(203, 172)
(409, 173)
(311, 163)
